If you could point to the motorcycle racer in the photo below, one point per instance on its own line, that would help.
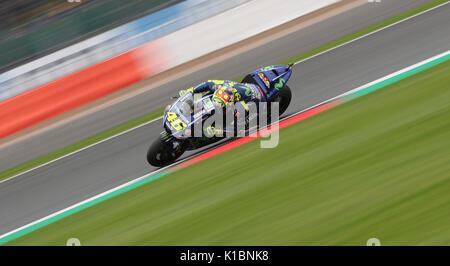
(236, 107)
(225, 93)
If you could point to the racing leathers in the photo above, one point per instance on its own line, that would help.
(225, 93)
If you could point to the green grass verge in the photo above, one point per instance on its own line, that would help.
(377, 166)
(52, 156)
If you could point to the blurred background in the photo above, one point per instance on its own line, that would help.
(44, 40)
(76, 76)
(32, 28)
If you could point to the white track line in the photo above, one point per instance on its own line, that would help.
(102, 194)
(82, 149)
(149, 122)
(372, 83)
(370, 33)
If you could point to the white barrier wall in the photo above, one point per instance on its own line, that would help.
(240, 20)
(232, 26)
(109, 44)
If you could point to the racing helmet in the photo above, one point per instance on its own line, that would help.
(223, 95)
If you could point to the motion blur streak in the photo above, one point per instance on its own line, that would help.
(299, 116)
(88, 84)
(74, 90)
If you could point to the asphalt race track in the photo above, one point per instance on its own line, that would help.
(233, 68)
(58, 185)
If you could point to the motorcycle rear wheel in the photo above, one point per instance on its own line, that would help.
(283, 98)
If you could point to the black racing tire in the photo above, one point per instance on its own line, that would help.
(249, 79)
(284, 98)
(159, 154)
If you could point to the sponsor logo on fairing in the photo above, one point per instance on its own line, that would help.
(264, 79)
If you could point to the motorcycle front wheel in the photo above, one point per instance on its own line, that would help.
(161, 154)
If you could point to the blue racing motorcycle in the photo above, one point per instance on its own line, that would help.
(180, 116)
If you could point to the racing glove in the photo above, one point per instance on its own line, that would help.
(182, 92)
(212, 131)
